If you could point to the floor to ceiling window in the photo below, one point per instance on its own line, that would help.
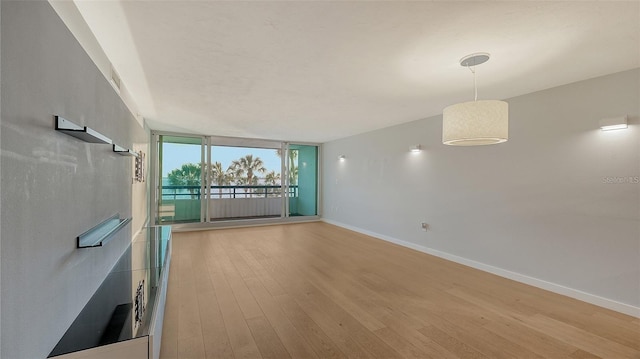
(217, 179)
(245, 183)
(180, 179)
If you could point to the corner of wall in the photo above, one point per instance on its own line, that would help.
(72, 18)
(140, 190)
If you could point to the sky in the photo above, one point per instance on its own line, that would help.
(175, 155)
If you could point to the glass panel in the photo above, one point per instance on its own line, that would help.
(303, 186)
(245, 183)
(180, 184)
(122, 307)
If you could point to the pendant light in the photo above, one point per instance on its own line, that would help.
(476, 122)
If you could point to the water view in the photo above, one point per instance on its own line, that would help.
(235, 172)
(244, 182)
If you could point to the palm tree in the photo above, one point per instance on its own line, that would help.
(220, 177)
(293, 169)
(187, 175)
(245, 169)
(272, 178)
(293, 175)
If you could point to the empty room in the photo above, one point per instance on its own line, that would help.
(319, 179)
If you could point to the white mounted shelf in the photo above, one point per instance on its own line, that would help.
(83, 133)
(102, 233)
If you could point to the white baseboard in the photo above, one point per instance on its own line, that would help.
(552, 287)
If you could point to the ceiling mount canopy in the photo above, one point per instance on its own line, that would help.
(475, 123)
(474, 59)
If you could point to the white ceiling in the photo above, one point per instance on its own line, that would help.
(318, 71)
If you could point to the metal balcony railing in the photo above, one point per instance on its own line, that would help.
(235, 191)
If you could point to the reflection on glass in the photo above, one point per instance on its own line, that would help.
(303, 173)
(180, 160)
(121, 308)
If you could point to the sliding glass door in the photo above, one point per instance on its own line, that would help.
(245, 183)
(180, 181)
(219, 179)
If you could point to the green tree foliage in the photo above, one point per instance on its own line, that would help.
(220, 177)
(272, 178)
(242, 172)
(246, 168)
(187, 175)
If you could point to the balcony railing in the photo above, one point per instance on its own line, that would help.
(235, 191)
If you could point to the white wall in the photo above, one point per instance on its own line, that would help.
(55, 187)
(535, 208)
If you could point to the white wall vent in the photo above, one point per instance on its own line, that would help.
(115, 79)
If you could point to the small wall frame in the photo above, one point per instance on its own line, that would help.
(139, 174)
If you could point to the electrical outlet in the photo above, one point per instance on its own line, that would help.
(425, 226)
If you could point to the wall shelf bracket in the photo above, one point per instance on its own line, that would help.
(103, 232)
(83, 133)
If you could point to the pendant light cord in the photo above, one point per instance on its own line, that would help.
(475, 87)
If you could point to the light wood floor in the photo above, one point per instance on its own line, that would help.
(319, 291)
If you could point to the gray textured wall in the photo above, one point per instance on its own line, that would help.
(54, 186)
(538, 205)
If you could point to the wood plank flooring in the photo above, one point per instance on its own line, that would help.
(318, 291)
